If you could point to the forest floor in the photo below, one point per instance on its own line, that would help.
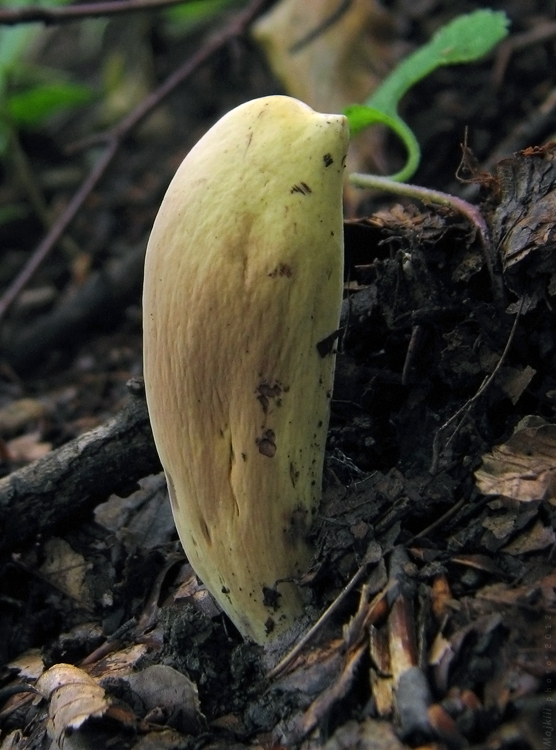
(437, 531)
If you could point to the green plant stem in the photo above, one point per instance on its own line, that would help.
(411, 144)
(427, 195)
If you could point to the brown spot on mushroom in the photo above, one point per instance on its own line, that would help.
(266, 392)
(282, 269)
(205, 531)
(302, 188)
(294, 475)
(267, 444)
(270, 597)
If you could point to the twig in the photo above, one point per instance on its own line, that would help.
(114, 139)
(464, 410)
(69, 482)
(57, 229)
(24, 173)
(439, 521)
(427, 195)
(326, 615)
(32, 13)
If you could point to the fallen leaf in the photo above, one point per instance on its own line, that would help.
(66, 570)
(514, 381)
(17, 415)
(161, 686)
(27, 448)
(29, 664)
(341, 65)
(523, 468)
(74, 699)
(539, 537)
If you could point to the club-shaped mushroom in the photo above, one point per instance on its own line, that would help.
(242, 295)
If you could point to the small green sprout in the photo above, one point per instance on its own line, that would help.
(464, 39)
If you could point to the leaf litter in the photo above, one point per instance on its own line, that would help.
(437, 587)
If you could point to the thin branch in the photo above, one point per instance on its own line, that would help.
(326, 615)
(466, 408)
(115, 138)
(33, 13)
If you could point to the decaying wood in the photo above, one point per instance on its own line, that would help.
(68, 483)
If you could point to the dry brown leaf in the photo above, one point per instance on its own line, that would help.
(342, 65)
(314, 671)
(500, 526)
(382, 682)
(17, 415)
(401, 636)
(27, 448)
(383, 693)
(514, 381)
(66, 570)
(441, 596)
(523, 468)
(305, 721)
(439, 648)
(29, 664)
(539, 537)
(119, 663)
(161, 686)
(501, 593)
(74, 698)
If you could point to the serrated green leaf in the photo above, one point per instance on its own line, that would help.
(464, 39)
(469, 37)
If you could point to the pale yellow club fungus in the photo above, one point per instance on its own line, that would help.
(242, 296)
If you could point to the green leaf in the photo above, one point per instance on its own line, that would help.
(15, 41)
(464, 39)
(189, 14)
(34, 105)
(360, 117)
(469, 37)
